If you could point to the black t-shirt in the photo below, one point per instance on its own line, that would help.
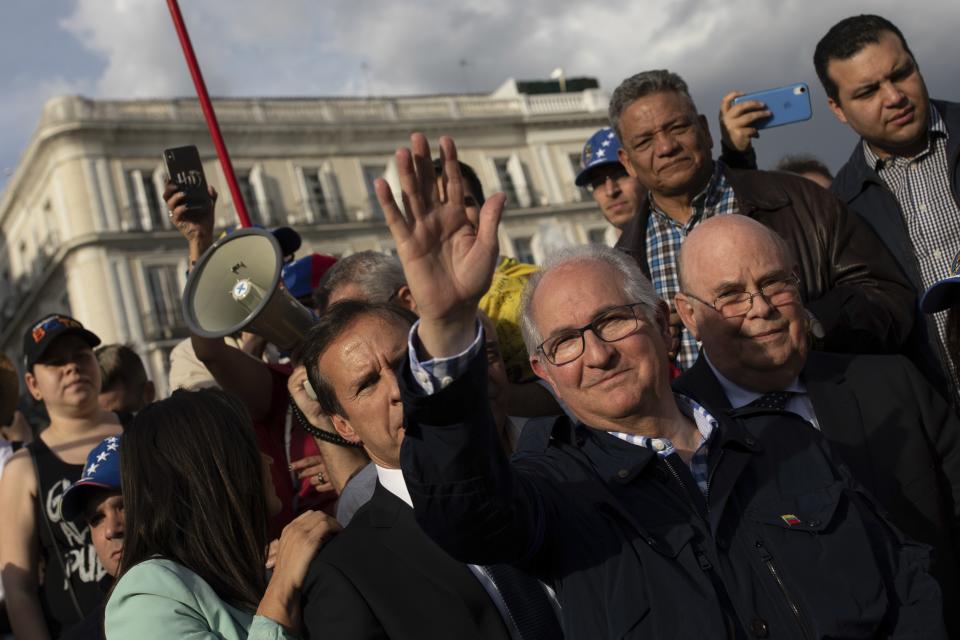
(78, 566)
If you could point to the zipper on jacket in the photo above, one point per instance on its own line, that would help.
(772, 568)
(686, 491)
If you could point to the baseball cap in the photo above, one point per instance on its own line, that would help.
(600, 150)
(945, 293)
(102, 471)
(302, 276)
(41, 335)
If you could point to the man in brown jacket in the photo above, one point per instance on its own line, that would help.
(856, 297)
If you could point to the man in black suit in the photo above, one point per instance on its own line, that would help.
(899, 438)
(383, 577)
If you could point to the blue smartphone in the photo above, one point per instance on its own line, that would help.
(787, 104)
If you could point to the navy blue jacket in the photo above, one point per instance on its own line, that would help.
(864, 192)
(786, 546)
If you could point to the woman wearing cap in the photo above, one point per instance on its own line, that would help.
(197, 499)
(62, 372)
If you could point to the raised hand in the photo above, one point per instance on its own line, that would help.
(447, 262)
(737, 120)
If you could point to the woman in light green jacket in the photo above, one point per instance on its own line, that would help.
(197, 496)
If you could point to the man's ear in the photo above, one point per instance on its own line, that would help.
(541, 371)
(625, 161)
(405, 298)
(344, 428)
(149, 392)
(837, 110)
(685, 310)
(32, 386)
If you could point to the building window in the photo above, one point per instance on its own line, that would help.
(250, 199)
(578, 193)
(523, 249)
(370, 173)
(320, 193)
(144, 210)
(507, 185)
(163, 319)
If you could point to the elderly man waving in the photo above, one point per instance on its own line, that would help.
(651, 515)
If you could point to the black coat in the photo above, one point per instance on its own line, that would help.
(633, 554)
(382, 577)
(899, 438)
(848, 279)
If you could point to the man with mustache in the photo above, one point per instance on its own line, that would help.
(903, 176)
(855, 294)
(740, 299)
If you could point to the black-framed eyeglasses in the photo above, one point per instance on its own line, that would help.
(611, 325)
(779, 292)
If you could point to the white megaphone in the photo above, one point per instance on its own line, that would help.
(237, 285)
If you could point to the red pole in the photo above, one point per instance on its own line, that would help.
(209, 114)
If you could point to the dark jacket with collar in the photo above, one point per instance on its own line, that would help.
(848, 279)
(863, 191)
(634, 553)
(382, 577)
(898, 437)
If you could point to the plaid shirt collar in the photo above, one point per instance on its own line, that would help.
(706, 200)
(936, 129)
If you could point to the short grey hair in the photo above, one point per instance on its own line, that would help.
(378, 275)
(636, 286)
(643, 84)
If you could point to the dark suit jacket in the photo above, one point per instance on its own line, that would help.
(382, 577)
(895, 433)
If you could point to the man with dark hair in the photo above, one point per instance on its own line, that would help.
(854, 292)
(898, 437)
(808, 167)
(382, 577)
(903, 177)
(125, 387)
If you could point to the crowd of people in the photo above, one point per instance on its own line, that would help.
(740, 422)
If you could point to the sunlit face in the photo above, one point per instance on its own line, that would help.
(67, 377)
(616, 192)
(360, 366)
(104, 516)
(767, 346)
(882, 96)
(610, 381)
(665, 144)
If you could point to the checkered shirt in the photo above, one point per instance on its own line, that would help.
(921, 185)
(663, 447)
(664, 237)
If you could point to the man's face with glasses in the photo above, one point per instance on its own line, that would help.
(742, 300)
(617, 193)
(600, 352)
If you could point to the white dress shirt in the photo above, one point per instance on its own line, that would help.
(738, 396)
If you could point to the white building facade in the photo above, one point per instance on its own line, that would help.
(83, 229)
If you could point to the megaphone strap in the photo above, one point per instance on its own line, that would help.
(326, 436)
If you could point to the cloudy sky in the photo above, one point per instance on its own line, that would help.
(128, 49)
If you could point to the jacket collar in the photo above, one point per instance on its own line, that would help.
(857, 174)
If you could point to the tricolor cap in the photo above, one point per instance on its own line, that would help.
(102, 471)
(601, 149)
(945, 293)
(40, 336)
(302, 276)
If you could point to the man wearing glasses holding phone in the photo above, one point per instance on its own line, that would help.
(740, 297)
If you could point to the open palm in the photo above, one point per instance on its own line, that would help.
(448, 264)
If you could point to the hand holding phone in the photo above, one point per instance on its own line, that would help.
(186, 172)
(786, 105)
